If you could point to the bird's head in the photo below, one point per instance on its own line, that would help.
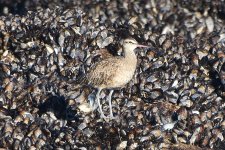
(131, 44)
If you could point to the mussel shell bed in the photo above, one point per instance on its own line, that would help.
(176, 99)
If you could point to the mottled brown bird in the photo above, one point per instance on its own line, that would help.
(113, 72)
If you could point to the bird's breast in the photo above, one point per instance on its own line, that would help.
(123, 75)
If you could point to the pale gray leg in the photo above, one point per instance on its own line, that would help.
(110, 103)
(99, 104)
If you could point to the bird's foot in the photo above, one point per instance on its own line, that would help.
(103, 116)
(107, 118)
(112, 117)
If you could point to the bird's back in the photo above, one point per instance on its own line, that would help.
(109, 73)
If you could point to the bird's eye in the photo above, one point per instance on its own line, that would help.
(130, 42)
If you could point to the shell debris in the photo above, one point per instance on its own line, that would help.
(174, 100)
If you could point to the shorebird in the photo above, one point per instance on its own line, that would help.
(113, 72)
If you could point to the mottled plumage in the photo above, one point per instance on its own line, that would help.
(113, 72)
(103, 74)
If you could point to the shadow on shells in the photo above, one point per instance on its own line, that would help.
(59, 106)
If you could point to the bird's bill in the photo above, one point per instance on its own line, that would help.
(142, 46)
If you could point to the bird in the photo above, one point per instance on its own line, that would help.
(113, 72)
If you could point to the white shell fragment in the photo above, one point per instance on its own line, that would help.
(49, 49)
(209, 23)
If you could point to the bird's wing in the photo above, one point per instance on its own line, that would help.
(102, 72)
(81, 80)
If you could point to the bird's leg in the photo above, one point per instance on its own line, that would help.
(99, 104)
(110, 103)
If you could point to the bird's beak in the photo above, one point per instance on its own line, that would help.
(143, 46)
